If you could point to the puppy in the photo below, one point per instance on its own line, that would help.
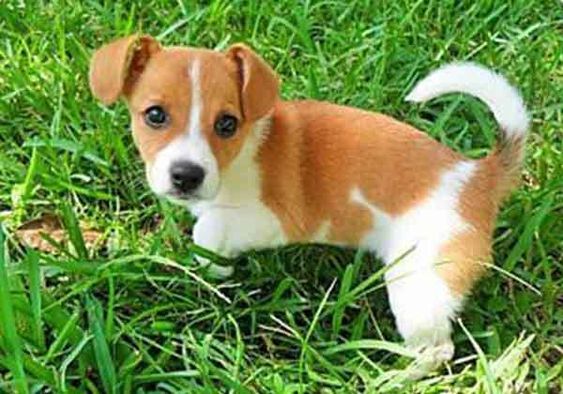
(259, 172)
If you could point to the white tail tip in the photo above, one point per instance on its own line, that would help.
(493, 89)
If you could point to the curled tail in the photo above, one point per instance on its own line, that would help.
(503, 100)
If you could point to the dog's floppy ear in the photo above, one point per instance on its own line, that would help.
(258, 82)
(116, 66)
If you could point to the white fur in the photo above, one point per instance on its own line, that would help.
(190, 146)
(502, 98)
(421, 301)
(236, 220)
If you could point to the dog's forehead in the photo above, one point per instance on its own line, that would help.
(179, 59)
(170, 72)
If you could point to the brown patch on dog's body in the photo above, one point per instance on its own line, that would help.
(326, 149)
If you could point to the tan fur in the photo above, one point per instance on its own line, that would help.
(508, 158)
(464, 259)
(328, 151)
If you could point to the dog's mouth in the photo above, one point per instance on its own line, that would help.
(197, 196)
(183, 198)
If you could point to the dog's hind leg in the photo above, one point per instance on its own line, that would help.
(423, 306)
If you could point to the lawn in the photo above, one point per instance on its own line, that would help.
(118, 305)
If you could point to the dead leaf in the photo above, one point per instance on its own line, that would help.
(33, 234)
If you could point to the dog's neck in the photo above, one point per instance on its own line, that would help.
(281, 160)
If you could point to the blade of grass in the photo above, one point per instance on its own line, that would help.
(35, 297)
(340, 307)
(102, 352)
(70, 358)
(73, 229)
(371, 344)
(525, 241)
(490, 383)
(8, 322)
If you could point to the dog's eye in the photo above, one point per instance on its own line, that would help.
(226, 125)
(156, 117)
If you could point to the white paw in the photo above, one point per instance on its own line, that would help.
(214, 270)
(430, 359)
(210, 233)
(423, 310)
(429, 335)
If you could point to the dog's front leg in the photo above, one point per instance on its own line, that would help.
(210, 232)
(229, 232)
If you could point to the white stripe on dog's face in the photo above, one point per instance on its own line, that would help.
(191, 147)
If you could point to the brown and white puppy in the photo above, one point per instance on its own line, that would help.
(259, 172)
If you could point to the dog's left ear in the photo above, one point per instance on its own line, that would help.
(259, 84)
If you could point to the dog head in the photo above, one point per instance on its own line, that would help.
(192, 110)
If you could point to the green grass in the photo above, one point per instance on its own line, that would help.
(135, 315)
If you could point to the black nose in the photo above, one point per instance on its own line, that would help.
(186, 176)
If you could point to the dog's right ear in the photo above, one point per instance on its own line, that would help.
(115, 67)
